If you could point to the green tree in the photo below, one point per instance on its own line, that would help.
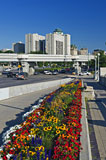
(73, 46)
(102, 60)
(9, 51)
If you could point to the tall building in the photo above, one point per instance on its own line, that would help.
(34, 43)
(58, 43)
(18, 47)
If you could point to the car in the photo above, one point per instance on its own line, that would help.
(36, 73)
(54, 72)
(48, 72)
(73, 73)
(63, 71)
(22, 75)
(88, 73)
(11, 74)
(7, 70)
(81, 74)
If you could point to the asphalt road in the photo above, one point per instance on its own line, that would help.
(8, 82)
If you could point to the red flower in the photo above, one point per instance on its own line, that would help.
(4, 158)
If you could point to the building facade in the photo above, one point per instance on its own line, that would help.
(58, 43)
(34, 43)
(83, 51)
(74, 51)
(18, 47)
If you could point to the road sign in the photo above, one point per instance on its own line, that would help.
(19, 66)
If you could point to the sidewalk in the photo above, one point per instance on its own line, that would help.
(97, 110)
(12, 109)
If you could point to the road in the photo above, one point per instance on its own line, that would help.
(8, 82)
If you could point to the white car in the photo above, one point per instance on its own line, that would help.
(88, 73)
(81, 74)
(48, 72)
(8, 69)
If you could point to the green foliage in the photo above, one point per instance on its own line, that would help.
(9, 51)
(102, 60)
(73, 46)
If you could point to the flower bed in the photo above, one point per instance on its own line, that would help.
(51, 131)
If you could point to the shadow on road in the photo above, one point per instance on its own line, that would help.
(18, 119)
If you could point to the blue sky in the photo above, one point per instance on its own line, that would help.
(84, 20)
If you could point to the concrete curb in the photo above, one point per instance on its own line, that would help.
(85, 154)
(14, 91)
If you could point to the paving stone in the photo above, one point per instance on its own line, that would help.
(98, 116)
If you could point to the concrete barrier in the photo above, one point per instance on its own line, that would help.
(14, 91)
(85, 153)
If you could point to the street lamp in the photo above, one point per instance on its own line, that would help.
(88, 61)
(95, 68)
(98, 65)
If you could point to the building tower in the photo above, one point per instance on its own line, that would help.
(58, 43)
(18, 47)
(34, 43)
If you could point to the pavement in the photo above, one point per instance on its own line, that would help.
(12, 109)
(97, 110)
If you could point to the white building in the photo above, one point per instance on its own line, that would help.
(34, 43)
(58, 43)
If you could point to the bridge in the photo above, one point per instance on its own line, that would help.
(14, 57)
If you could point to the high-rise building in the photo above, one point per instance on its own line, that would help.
(58, 43)
(34, 43)
(18, 47)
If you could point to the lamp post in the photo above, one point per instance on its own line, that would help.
(95, 67)
(98, 65)
(88, 61)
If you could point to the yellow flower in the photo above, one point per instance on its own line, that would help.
(55, 120)
(45, 129)
(33, 153)
(62, 127)
(49, 128)
(40, 124)
(57, 127)
(57, 131)
(63, 85)
(49, 120)
(41, 148)
(36, 148)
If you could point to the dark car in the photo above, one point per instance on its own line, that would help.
(36, 73)
(62, 71)
(11, 74)
(22, 75)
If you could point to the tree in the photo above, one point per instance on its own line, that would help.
(73, 46)
(9, 51)
(102, 60)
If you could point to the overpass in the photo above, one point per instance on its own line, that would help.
(14, 57)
